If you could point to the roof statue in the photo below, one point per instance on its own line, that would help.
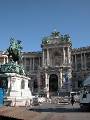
(55, 34)
(58, 38)
(14, 50)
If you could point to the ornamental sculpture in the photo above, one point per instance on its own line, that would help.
(56, 37)
(14, 55)
(55, 34)
(14, 50)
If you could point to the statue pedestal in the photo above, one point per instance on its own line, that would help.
(12, 77)
(18, 92)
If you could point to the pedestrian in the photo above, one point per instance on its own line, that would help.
(72, 100)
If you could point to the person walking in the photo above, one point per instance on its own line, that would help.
(72, 100)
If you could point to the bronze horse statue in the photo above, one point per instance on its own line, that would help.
(14, 50)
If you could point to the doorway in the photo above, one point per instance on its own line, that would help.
(53, 83)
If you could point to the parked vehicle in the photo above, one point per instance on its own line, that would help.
(85, 95)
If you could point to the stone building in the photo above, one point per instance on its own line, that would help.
(80, 66)
(3, 58)
(58, 67)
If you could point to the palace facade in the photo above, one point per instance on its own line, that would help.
(58, 67)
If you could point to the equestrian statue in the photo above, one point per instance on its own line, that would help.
(14, 50)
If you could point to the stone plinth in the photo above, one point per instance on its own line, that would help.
(18, 92)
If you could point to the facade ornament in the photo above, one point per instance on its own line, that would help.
(55, 34)
(56, 37)
(45, 40)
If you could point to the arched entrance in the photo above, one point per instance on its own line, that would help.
(53, 84)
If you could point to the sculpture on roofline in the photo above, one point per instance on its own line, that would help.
(55, 34)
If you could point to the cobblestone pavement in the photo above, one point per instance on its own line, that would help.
(45, 112)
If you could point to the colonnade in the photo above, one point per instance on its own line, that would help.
(31, 63)
(82, 58)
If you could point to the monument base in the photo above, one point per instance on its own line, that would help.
(18, 92)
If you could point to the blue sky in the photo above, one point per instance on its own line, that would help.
(31, 20)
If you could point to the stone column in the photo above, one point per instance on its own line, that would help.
(75, 63)
(43, 58)
(81, 61)
(72, 61)
(33, 63)
(61, 81)
(4, 60)
(69, 80)
(63, 55)
(25, 62)
(7, 59)
(30, 63)
(48, 59)
(85, 61)
(39, 61)
(69, 55)
(47, 84)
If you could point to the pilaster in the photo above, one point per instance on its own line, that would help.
(81, 61)
(43, 58)
(69, 55)
(48, 62)
(4, 60)
(61, 82)
(63, 55)
(33, 63)
(75, 62)
(85, 61)
(47, 84)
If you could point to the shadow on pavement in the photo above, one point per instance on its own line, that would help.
(61, 110)
(7, 118)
